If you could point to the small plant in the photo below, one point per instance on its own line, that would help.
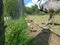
(16, 32)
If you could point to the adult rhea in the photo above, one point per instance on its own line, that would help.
(50, 6)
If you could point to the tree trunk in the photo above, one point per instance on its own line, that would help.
(21, 7)
(2, 32)
(19, 11)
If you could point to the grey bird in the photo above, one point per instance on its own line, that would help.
(52, 7)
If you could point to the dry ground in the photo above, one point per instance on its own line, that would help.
(53, 35)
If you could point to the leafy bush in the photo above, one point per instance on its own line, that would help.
(16, 32)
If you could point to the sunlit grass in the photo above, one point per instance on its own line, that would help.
(43, 18)
(16, 32)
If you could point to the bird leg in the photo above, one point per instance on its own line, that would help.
(51, 18)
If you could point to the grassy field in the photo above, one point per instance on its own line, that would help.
(17, 32)
(43, 18)
(53, 34)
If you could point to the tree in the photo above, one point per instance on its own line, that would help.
(14, 8)
(33, 10)
(28, 10)
(2, 32)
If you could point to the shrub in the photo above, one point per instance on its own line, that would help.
(16, 32)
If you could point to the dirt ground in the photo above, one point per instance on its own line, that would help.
(45, 35)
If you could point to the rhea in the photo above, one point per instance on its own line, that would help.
(50, 6)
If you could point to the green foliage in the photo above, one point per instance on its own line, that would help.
(16, 32)
(11, 8)
(28, 10)
(33, 10)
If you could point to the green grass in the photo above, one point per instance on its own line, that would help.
(16, 32)
(43, 18)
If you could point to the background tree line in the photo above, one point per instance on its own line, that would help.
(33, 10)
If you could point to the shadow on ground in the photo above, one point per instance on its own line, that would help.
(45, 37)
(56, 24)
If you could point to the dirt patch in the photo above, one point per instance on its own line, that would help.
(45, 37)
